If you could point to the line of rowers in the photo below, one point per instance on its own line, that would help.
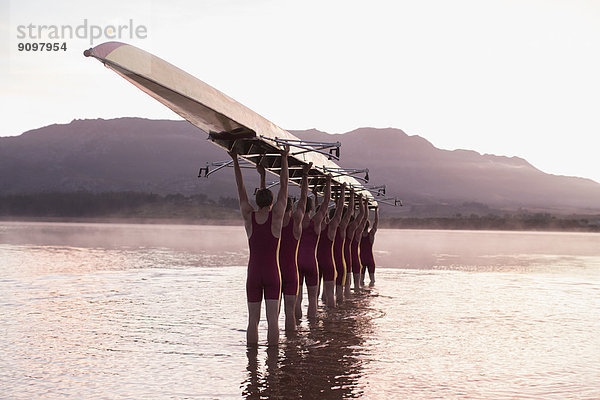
(290, 247)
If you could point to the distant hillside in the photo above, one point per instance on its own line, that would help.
(157, 156)
(426, 176)
(125, 154)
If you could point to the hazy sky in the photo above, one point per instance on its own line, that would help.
(508, 77)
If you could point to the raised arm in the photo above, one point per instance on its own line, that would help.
(364, 208)
(337, 217)
(298, 214)
(348, 214)
(261, 172)
(318, 218)
(316, 198)
(375, 223)
(280, 204)
(245, 207)
(352, 226)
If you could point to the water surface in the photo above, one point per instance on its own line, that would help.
(158, 311)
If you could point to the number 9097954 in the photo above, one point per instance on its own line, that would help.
(42, 46)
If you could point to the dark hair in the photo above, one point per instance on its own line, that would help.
(290, 203)
(264, 198)
(367, 226)
(309, 204)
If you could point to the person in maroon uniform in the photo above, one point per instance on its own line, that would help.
(321, 246)
(326, 250)
(291, 231)
(348, 218)
(263, 227)
(338, 246)
(353, 234)
(308, 269)
(366, 249)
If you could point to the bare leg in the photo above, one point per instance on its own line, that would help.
(347, 284)
(290, 312)
(328, 289)
(272, 321)
(313, 292)
(356, 278)
(272, 358)
(372, 278)
(299, 302)
(339, 293)
(324, 293)
(253, 318)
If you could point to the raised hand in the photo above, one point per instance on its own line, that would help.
(306, 168)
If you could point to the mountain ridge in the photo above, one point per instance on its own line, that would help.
(163, 156)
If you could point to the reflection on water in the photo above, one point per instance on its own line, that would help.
(158, 312)
(325, 359)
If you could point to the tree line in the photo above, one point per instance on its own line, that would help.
(116, 204)
(523, 221)
(84, 204)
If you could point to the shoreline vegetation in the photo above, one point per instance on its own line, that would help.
(149, 208)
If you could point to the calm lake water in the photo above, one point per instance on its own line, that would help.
(157, 312)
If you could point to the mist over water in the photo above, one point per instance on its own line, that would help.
(159, 311)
